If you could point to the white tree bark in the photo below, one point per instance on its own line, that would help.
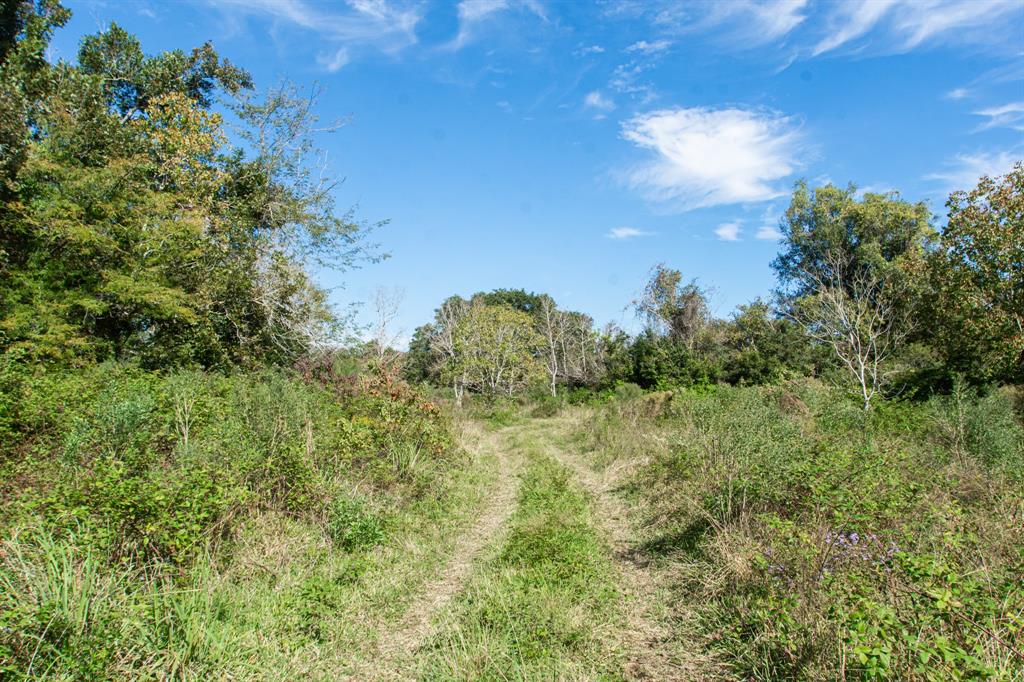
(857, 315)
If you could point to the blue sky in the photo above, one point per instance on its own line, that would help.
(567, 147)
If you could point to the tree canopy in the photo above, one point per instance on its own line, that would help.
(977, 280)
(133, 227)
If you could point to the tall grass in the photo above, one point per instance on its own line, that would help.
(201, 526)
(821, 542)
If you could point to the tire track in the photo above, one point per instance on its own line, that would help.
(399, 643)
(651, 653)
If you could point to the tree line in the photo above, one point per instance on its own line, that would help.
(870, 293)
(157, 209)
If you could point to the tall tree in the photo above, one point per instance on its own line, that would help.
(828, 227)
(444, 344)
(672, 308)
(856, 312)
(552, 327)
(977, 280)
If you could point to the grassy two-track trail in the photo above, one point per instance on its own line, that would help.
(544, 585)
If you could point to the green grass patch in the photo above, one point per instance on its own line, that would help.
(540, 608)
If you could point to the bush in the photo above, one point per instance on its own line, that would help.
(155, 467)
(351, 526)
(548, 406)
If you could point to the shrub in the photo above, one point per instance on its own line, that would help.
(351, 526)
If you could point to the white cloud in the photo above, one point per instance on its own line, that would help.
(741, 22)
(1007, 116)
(809, 28)
(902, 25)
(374, 23)
(773, 19)
(333, 62)
(627, 233)
(707, 157)
(471, 13)
(474, 12)
(728, 232)
(595, 100)
(626, 80)
(957, 93)
(754, 22)
(649, 47)
(854, 20)
(768, 233)
(919, 22)
(590, 49)
(964, 171)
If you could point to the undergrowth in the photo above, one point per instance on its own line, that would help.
(149, 518)
(819, 541)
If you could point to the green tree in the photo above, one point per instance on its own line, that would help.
(132, 228)
(764, 347)
(828, 228)
(672, 308)
(497, 350)
(977, 281)
(849, 275)
(517, 299)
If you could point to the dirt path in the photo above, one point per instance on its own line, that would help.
(651, 654)
(398, 645)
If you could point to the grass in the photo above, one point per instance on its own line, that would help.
(790, 534)
(818, 542)
(256, 528)
(544, 606)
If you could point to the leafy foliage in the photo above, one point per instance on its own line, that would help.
(132, 229)
(977, 281)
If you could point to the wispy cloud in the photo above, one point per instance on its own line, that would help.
(854, 19)
(903, 25)
(626, 79)
(649, 47)
(741, 22)
(957, 93)
(769, 230)
(1006, 116)
(376, 24)
(728, 232)
(964, 170)
(627, 233)
(333, 62)
(595, 100)
(589, 49)
(473, 13)
(707, 157)
(810, 29)
(762, 21)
